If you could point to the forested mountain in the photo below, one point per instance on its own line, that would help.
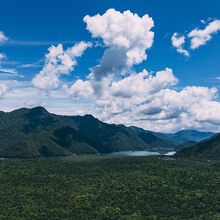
(29, 133)
(162, 136)
(208, 149)
(185, 145)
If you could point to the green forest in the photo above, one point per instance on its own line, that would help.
(103, 187)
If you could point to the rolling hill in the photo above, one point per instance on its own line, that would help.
(207, 149)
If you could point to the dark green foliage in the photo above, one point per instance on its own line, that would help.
(68, 138)
(155, 142)
(31, 133)
(30, 146)
(185, 145)
(38, 118)
(107, 137)
(209, 149)
(162, 136)
(93, 187)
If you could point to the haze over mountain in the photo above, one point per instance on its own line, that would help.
(179, 137)
(29, 133)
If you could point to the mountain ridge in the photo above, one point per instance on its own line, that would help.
(35, 132)
(206, 149)
(179, 137)
(30, 133)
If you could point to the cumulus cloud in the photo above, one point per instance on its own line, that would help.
(200, 37)
(164, 109)
(58, 62)
(115, 29)
(197, 36)
(113, 91)
(3, 38)
(131, 95)
(149, 101)
(178, 42)
(79, 90)
(126, 46)
(118, 94)
(143, 84)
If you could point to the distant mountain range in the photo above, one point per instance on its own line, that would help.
(207, 149)
(35, 133)
(179, 137)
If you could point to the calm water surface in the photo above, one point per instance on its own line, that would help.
(138, 153)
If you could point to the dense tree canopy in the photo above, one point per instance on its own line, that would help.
(90, 187)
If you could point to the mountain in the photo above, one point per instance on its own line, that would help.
(162, 136)
(156, 143)
(110, 137)
(33, 133)
(190, 135)
(30, 133)
(208, 149)
(179, 137)
(185, 145)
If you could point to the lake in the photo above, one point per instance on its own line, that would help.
(138, 153)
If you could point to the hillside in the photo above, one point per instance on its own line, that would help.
(162, 136)
(111, 137)
(185, 145)
(208, 149)
(30, 133)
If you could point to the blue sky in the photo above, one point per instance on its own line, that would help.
(33, 26)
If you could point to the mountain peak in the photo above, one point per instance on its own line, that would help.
(89, 116)
(39, 110)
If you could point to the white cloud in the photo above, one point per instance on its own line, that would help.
(200, 37)
(12, 71)
(143, 84)
(79, 90)
(117, 94)
(3, 38)
(178, 42)
(126, 46)
(149, 101)
(113, 91)
(25, 95)
(57, 62)
(164, 109)
(30, 65)
(6, 87)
